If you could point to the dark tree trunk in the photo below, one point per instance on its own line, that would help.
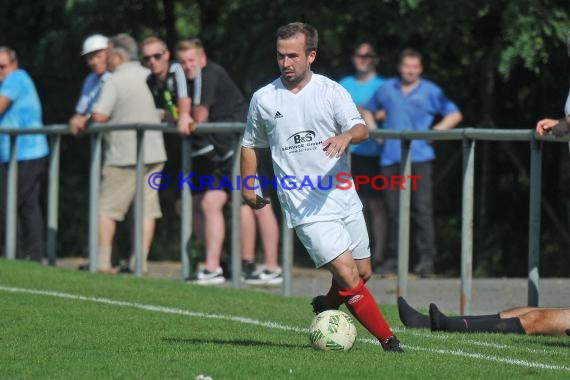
(169, 23)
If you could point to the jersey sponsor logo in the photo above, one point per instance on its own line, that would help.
(302, 142)
(302, 137)
(277, 115)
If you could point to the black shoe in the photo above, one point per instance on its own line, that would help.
(425, 267)
(124, 269)
(205, 277)
(265, 277)
(389, 267)
(248, 268)
(392, 344)
(226, 265)
(410, 317)
(319, 304)
(83, 266)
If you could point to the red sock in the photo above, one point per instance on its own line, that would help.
(362, 305)
(334, 299)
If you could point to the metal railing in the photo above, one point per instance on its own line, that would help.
(469, 136)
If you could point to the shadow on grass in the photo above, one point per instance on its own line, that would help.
(233, 342)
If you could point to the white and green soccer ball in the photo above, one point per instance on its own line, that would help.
(332, 330)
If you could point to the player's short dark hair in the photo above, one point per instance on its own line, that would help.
(407, 53)
(311, 35)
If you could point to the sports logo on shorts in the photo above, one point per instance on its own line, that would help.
(277, 115)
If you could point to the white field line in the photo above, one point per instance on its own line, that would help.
(480, 343)
(272, 325)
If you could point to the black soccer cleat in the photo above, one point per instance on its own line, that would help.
(392, 344)
(319, 304)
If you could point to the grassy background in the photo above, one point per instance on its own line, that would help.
(43, 336)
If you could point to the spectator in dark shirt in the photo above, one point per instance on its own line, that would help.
(167, 83)
(215, 98)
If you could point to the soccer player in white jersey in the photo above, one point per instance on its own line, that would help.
(308, 121)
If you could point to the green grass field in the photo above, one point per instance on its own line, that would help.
(58, 323)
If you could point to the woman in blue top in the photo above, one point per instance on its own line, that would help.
(364, 156)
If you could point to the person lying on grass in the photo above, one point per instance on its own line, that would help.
(520, 320)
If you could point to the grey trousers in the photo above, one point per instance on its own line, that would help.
(421, 213)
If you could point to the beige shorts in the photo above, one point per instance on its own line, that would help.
(327, 240)
(118, 192)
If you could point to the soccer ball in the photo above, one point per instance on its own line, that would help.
(332, 330)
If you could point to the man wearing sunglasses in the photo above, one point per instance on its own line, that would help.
(20, 108)
(167, 83)
(95, 52)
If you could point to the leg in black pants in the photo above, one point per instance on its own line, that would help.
(391, 201)
(31, 227)
(423, 236)
(421, 215)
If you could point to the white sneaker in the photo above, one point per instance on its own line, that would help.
(205, 277)
(265, 277)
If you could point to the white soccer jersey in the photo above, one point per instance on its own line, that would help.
(294, 126)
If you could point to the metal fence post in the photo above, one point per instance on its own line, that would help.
(94, 183)
(53, 199)
(12, 201)
(404, 222)
(467, 225)
(287, 260)
(186, 210)
(534, 221)
(138, 206)
(235, 220)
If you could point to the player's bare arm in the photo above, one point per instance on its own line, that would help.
(249, 169)
(335, 146)
(185, 121)
(201, 114)
(77, 123)
(449, 121)
(99, 117)
(557, 127)
(4, 103)
(368, 117)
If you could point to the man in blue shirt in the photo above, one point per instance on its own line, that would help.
(95, 51)
(20, 108)
(364, 156)
(412, 103)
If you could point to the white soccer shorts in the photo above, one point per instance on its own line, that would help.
(327, 240)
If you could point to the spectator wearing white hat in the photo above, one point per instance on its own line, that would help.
(95, 51)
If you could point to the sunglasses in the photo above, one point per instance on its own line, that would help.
(156, 57)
